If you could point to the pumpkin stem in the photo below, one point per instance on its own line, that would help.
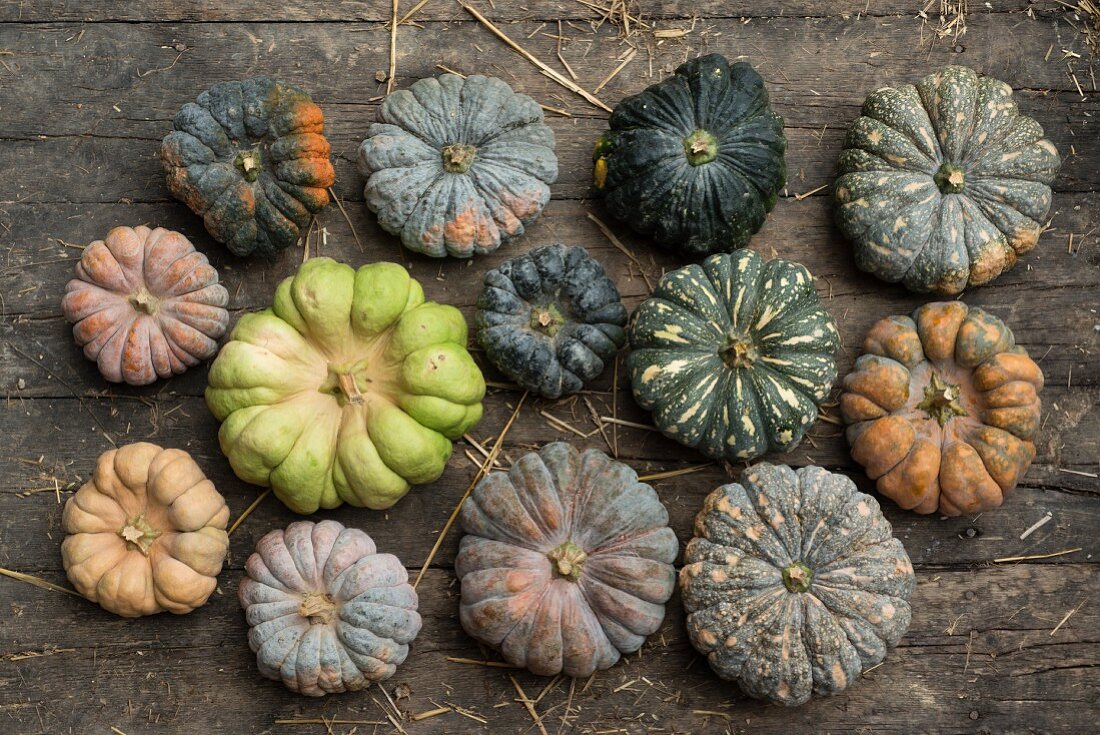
(144, 301)
(138, 533)
(797, 577)
(318, 607)
(458, 157)
(568, 558)
(599, 160)
(349, 387)
(739, 352)
(700, 147)
(941, 400)
(248, 163)
(950, 178)
(547, 319)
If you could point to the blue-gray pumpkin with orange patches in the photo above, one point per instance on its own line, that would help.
(733, 356)
(458, 166)
(944, 184)
(794, 584)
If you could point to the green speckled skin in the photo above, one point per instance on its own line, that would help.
(513, 597)
(358, 635)
(266, 208)
(903, 225)
(784, 645)
(574, 285)
(440, 212)
(726, 411)
(649, 183)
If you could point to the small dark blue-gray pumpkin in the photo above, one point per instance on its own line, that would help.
(794, 583)
(252, 160)
(944, 184)
(695, 160)
(458, 166)
(550, 319)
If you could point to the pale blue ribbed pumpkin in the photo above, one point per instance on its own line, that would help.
(326, 613)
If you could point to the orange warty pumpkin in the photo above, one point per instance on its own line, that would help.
(145, 305)
(941, 409)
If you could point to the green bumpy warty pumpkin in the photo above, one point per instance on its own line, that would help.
(734, 355)
(349, 388)
(696, 160)
(944, 184)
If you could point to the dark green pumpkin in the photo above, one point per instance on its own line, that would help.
(550, 319)
(252, 160)
(944, 184)
(734, 355)
(794, 583)
(695, 161)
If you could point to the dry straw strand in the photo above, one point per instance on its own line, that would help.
(481, 472)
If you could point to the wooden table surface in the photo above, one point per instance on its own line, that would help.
(87, 90)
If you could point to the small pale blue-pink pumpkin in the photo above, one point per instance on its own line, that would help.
(326, 612)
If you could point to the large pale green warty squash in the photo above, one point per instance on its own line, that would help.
(349, 388)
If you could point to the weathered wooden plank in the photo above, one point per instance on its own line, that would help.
(121, 163)
(116, 76)
(303, 11)
(39, 261)
(979, 657)
(37, 473)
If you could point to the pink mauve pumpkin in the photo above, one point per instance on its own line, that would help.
(145, 305)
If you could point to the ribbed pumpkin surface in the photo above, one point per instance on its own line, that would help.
(794, 583)
(696, 160)
(734, 355)
(944, 184)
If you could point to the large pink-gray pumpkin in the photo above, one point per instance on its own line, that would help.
(326, 612)
(567, 561)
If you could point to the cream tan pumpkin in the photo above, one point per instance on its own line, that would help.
(145, 305)
(146, 534)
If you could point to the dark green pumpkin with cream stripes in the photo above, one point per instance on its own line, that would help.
(734, 355)
(944, 184)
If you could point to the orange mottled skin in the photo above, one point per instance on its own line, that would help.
(942, 409)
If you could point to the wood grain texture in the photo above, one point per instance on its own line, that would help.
(88, 90)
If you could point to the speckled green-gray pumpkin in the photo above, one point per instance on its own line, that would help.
(550, 319)
(734, 355)
(695, 160)
(458, 166)
(794, 583)
(252, 160)
(944, 184)
(567, 561)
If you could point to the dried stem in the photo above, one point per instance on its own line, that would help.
(482, 471)
(248, 511)
(563, 81)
